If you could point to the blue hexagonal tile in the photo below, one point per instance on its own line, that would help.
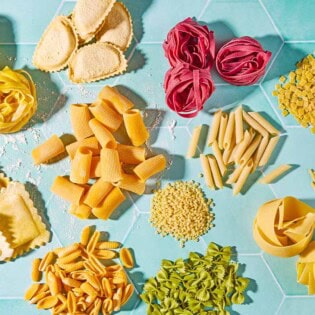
(297, 305)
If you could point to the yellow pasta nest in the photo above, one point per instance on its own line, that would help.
(80, 278)
(296, 93)
(101, 168)
(21, 227)
(18, 101)
(63, 42)
(181, 210)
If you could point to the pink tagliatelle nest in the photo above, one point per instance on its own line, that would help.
(190, 43)
(242, 61)
(187, 89)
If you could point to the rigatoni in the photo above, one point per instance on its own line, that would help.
(91, 143)
(81, 165)
(81, 211)
(110, 165)
(150, 167)
(48, 150)
(136, 130)
(130, 155)
(131, 183)
(80, 117)
(102, 134)
(97, 192)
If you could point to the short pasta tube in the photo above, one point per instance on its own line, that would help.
(131, 183)
(109, 204)
(91, 143)
(119, 101)
(95, 170)
(207, 171)
(81, 165)
(269, 150)
(63, 188)
(81, 211)
(130, 155)
(110, 165)
(48, 150)
(227, 140)
(223, 123)
(276, 173)
(254, 124)
(79, 118)
(213, 134)
(239, 130)
(136, 130)
(215, 171)
(98, 191)
(102, 134)
(103, 111)
(150, 167)
(246, 170)
(193, 144)
(264, 123)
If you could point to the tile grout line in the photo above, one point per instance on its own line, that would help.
(203, 10)
(280, 305)
(59, 8)
(271, 19)
(309, 41)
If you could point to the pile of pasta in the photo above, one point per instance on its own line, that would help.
(21, 226)
(97, 158)
(18, 101)
(246, 140)
(64, 41)
(78, 282)
(284, 228)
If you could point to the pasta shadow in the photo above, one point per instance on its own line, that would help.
(8, 52)
(136, 61)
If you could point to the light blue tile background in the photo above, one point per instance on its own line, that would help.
(286, 27)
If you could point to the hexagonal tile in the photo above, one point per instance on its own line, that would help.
(289, 55)
(29, 24)
(19, 306)
(297, 305)
(284, 17)
(227, 26)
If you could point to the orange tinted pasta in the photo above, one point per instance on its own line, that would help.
(67, 190)
(132, 183)
(109, 204)
(81, 211)
(48, 150)
(79, 117)
(90, 143)
(98, 191)
(136, 130)
(103, 112)
(110, 165)
(130, 155)
(150, 167)
(80, 166)
(120, 102)
(95, 170)
(102, 134)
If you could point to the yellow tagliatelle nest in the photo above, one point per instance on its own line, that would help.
(181, 211)
(296, 94)
(17, 99)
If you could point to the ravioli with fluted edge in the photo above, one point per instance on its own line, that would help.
(117, 28)
(88, 16)
(56, 46)
(95, 62)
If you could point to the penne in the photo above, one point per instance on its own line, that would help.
(130, 155)
(193, 144)
(239, 129)
(82, 211)
(120, 102)
(232, 156)
(269, 150)
(242, 146)
(222, 129)
(103, 111)
(150, 167)
(95, 170)
(136, 130)
(67, 190)
(91, 143)
(273, 175)
(131, 183)
(48, 150)
(207, 171)
(264, 123)
(246, 170)
(219, 158)
(235, 175)
(79, 118)
(214, 130)
(215, 171)
(109, 204)
(81, 166)
(260, 150)
(250, 150)
(227, 140)
(227, 153)
(102, 134)
(98, 191)
(110, 165)
(254, 124)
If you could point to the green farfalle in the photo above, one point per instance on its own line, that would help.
(200, 285)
